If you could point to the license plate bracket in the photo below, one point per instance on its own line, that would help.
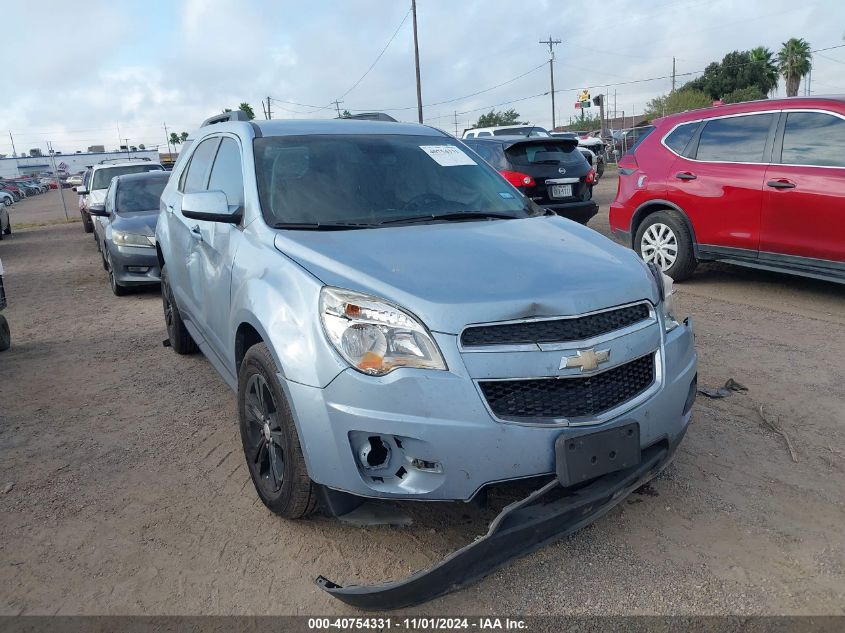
(579, 459)
(560, 191)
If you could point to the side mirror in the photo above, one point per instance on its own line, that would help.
(211, 206)
(81, 190)
(98, 209)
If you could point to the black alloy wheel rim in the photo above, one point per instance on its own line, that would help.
(263, 437)
(168, 307)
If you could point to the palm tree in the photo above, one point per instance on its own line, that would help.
(766, 58)
(794, 62)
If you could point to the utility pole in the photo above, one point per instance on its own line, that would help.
(673, 74)
(269, 111)
(167, 138)
(551, 44)
(14, 153)
(417, 62)
(456, 124)
(337, 105)
(56, 175)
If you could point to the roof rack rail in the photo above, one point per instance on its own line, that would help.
(105, 161)
(234, 115)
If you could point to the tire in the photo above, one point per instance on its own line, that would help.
(5, 334)
(116, 288)
(270, 441)
(177, 334)
(658, 234)
(87, 224)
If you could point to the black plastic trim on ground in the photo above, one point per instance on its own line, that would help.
(522, 527)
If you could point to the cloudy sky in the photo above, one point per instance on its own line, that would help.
(78, 71)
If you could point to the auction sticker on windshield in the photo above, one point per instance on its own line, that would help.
(447, 155)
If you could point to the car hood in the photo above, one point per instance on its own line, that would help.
(454, 274)
(140, 223)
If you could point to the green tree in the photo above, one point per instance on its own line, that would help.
(766, 60)
(586, 123)
(736, 70)
(175, 138)
(346, 113)
(678, 101)
(493, 118)
(245, 107)
(794, 63)
(751, 93)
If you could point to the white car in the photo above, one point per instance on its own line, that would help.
(5, 223)
(6, 198)
(507, 130)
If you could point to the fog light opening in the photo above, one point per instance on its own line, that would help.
(138, 269)
(375, 453)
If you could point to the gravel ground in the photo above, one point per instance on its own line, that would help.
(123, 489)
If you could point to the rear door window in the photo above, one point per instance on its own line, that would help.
(738, 139)
(813, 138)
(680, 137)
(491, 152)
(551, 153)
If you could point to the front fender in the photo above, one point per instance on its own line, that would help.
(281, 301)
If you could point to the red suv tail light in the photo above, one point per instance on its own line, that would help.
(518, 179)
(628, 165)
(591, 176)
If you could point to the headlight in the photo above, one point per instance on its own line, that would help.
(131, 239)
(375, 336)
(665, 288)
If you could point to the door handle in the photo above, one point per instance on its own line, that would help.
(783, 183)
(685, 175)
(196, 233)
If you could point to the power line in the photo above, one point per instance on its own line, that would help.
(379, 56)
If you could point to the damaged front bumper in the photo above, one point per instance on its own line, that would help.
(547, 514)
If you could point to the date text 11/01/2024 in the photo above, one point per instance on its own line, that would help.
(418, 623)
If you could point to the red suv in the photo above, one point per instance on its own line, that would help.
(759, 184)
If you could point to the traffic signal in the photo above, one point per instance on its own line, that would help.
(597, 100)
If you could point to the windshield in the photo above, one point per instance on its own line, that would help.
(550, 153)
(370, 179)
(102, 177)
(139, 194)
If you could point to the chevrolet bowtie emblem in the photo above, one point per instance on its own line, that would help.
(586, 359)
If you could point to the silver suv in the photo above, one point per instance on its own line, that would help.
(400, 322)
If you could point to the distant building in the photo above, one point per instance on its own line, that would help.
(14, 167)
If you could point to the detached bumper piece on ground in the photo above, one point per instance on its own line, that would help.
(547, 514)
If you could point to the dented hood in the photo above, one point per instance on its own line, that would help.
(454, 274)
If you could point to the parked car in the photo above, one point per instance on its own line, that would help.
(552, 172)
(5, 222)
(759, 184)
(399, 322)
(5, 335)
(622, 141)
(11, 188)
(129, 215)
(6, 198)
(75, 180)
(93, 190)
(507, 130)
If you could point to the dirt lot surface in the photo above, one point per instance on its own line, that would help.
(123, 488)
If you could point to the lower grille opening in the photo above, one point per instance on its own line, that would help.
(570, 397)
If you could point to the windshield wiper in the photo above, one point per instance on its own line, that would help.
(321, 226)
(468, 215)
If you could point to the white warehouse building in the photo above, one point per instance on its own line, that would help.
(13, 167)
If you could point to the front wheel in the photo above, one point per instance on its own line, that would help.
(87, 224)
(270, 441)
(5, 334)
(664, 239)
(116, 288)
(178, 335)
